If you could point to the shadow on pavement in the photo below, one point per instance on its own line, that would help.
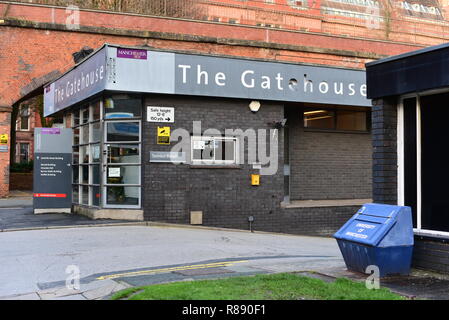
(16, 212)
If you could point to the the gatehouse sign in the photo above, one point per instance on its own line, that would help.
(139, 70)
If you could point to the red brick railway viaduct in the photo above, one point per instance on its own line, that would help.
(36, 45)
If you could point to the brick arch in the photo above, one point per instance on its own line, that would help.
(36, 45)
(36, 41)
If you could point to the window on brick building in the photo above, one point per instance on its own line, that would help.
(215, 150)
(23, 123)
(24, 152)
(341, 120)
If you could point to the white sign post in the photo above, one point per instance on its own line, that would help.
(160, 114)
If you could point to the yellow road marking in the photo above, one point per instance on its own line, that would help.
(163, 270)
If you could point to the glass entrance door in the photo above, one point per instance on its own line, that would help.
(122, 164)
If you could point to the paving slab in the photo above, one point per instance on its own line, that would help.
(52, 294)
(29, 296)
(418, 285)
(104, 291)
(72, 297)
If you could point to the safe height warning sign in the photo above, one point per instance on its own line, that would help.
(160, 114)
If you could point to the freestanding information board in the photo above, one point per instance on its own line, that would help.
(52, 185)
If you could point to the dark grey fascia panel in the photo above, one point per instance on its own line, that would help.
(416, 71)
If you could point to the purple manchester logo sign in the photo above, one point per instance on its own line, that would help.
(132, 53)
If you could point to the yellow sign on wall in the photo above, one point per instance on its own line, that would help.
(4, 138)
(163, 135)
(255, 179)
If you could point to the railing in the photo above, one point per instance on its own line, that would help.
(410, 21)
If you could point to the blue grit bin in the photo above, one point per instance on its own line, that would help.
(379, 235)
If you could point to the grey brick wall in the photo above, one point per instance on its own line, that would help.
(384, 136)
(318, 221)
(225, 195)
(431, 255)
(328, 165)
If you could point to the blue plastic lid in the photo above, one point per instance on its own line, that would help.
(371, 224)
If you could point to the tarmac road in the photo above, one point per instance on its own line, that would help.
(37, 260)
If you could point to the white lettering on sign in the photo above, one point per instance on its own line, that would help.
(366, 226)
(251, 79)
(77, 84)
(160, 114)
(356, 235)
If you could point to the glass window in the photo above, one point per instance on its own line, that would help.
(76, 118)
(123, 153)
(320, 119)
(123, 175)
(85, 134)
(96, 174)
(351, 120)
(95, 195)
(345, 120)
(85, 195)
(76, 155)
(84, 154)
(85, 116)
(217, 150)
(95, 148)
(24, 152)
(225, 150)
(122, 131)
(120, 195)
(122, 106)
(85, 174)
(76, 136)
(75, 194)
(203, 150)
(24, 115)
(96, 111)
(96, 132)
(75, 174)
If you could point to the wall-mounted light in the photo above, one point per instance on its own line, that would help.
(254, 106)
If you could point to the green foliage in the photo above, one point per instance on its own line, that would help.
(23, 167)
(46, 122)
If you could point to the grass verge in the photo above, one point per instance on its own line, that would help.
(281, 286)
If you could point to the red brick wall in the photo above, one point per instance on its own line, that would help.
(5, 120)
(35, 42)
(28, 54)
